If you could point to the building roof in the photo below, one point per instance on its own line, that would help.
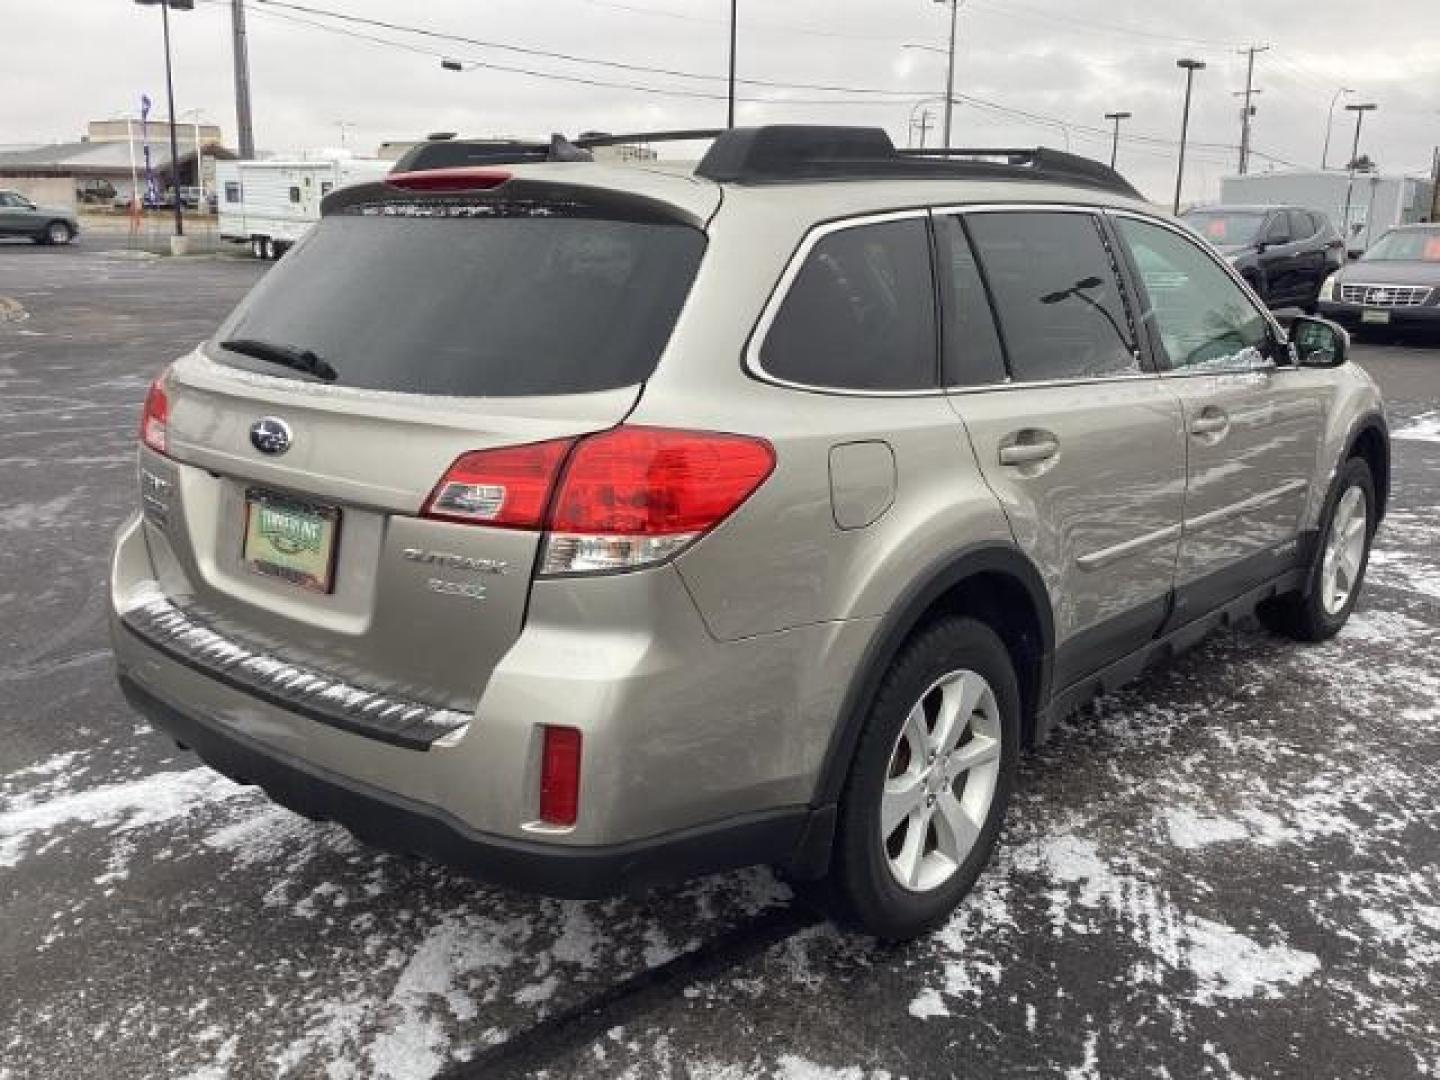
(98, 158)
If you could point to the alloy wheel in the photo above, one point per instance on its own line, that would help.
(1344, 550)
(941, 781)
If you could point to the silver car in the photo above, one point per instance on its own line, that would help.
(588, 526)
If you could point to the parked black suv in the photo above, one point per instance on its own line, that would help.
(1284, 252)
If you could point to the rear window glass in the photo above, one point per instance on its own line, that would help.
(474, 307)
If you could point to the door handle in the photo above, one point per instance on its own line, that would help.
(1028, 453)
(1210, 422)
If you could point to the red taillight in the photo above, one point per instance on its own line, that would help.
(635, 496)
(507, 488)
(637, 481)
(560, 776)
(461, 178)
(628, 497)
(155, 418)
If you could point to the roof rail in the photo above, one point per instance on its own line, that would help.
(783, 153)
(448, 152)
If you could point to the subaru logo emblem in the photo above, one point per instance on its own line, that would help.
(270, 435)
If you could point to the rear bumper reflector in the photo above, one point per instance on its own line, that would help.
(311, 693)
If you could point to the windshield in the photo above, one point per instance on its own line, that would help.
(470, 307)
(1225, 227)
(1406, 245)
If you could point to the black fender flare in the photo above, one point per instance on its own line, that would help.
(895, 627)
(1367, 422)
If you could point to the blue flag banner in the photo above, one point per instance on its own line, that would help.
(152, 190)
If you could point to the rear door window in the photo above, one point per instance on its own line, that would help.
(860, 314)
(972, 355)
(474, 306)
(1057, 294)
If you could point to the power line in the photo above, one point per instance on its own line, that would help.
(877, 96)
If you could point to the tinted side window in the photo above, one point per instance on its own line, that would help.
(860, 315)
(1300, 225)
(1277, 229)
(1203, 317)
(972, 354)
(1056, 293)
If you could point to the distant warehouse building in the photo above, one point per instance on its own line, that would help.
(1375, 202)
(111, 159)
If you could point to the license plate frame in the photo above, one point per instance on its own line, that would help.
(290, 539)
(1375, 317)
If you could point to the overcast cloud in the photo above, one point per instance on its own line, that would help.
(1071, 60)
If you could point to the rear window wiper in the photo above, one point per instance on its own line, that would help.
(291, 356)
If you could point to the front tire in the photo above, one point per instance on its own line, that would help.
(1318, 611)
(930, 781)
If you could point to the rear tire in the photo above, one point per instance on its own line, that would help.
(936, 763)
(1320, 609)
(269, 250)
(257, 247)
(58, 233)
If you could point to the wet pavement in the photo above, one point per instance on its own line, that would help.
(1227, 870)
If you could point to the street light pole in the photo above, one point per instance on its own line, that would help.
(1359, 111)
(950, 69)
(730, 97)
(1115, 140)
(165, 6)
(1329, 125)
(244, 131)
(1189, 67)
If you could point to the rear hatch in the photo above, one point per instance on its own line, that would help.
(408, 331)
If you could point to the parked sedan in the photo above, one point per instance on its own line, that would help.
(1396, 283)
(1285, 253)
(43, 224)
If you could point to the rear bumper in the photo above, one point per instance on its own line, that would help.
(1400, 318)
(392, 822)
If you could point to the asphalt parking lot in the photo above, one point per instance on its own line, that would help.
(1231, 869)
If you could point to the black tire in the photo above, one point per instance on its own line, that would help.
(1303, 615)
(861, 889)
(58, 233)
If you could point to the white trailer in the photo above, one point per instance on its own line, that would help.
(271, 204)
(1376, 203)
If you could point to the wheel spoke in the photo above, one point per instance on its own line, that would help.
(980, 750)
(959, 700)
(955, 833)
(912, 852)
(901, 797)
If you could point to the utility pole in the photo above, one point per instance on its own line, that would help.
(1115, 141)
(244, 133)
(1189, 67)
(1249, 110)
(730, 109)
(1435, 186)
(950, 70)
(1359, 111)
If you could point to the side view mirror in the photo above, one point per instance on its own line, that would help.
(1319, 342)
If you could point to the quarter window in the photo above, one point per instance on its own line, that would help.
(972, 355)
(1057, 295)
(1203, 318)
(860, 315)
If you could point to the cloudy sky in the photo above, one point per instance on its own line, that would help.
(1030, 72)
